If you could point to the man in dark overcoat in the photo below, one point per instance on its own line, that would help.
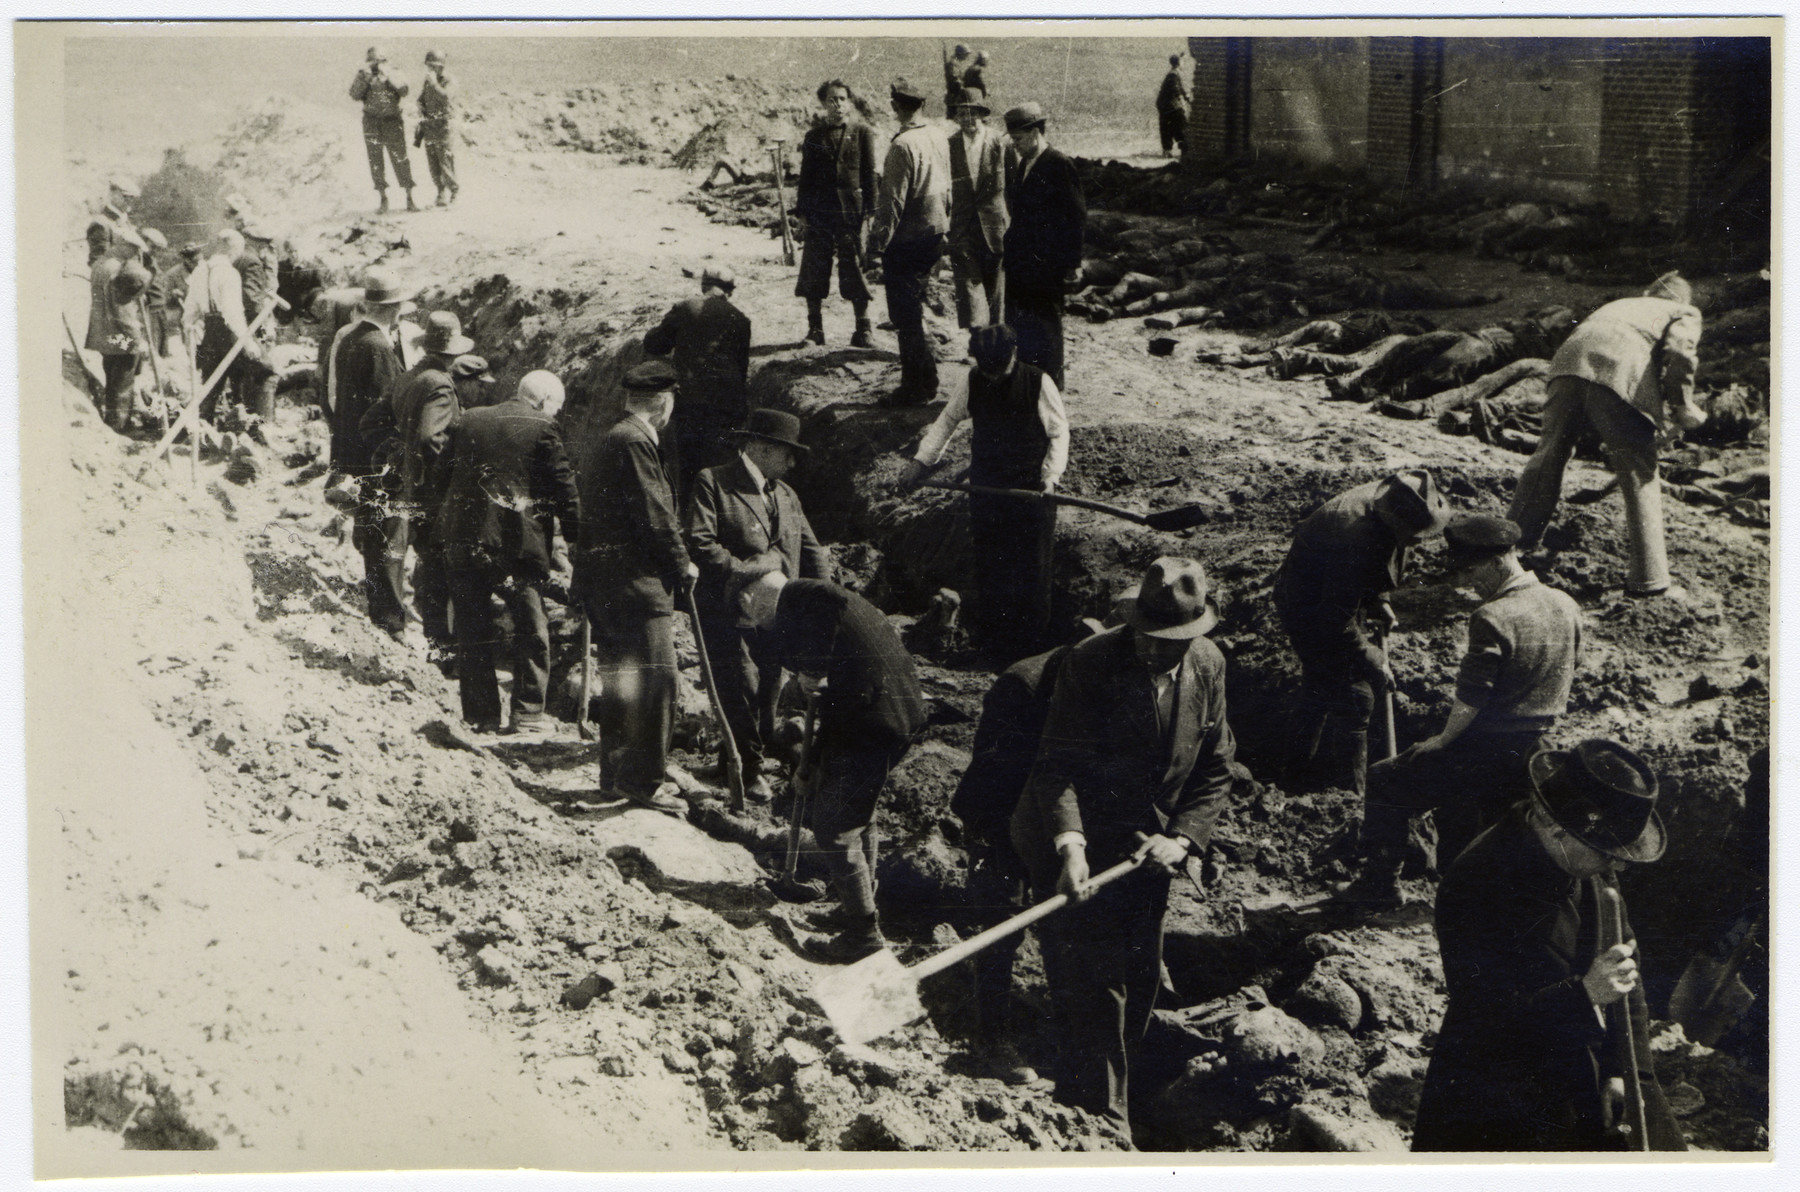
(1042, 251)
(506, 482)
(1136, 757)
(707, 339)
(835, 195)
(1533, 1054)
(744, 520)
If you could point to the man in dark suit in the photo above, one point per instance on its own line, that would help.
(629, 565)
(870, 707)
(1043, 241)
(506, 481)
(977, 211)
(1136, 757)
(745, 520)
(408, 429)
(707, 339)
(836, 193)
(1532, 1055)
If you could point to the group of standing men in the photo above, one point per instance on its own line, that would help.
(380, 93)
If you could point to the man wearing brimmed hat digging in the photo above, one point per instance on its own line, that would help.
(977, 211)
(745, 520)
(912, 220)
(1136, 754)
(1331, 596)
(1532, 1055)
(1513, 685)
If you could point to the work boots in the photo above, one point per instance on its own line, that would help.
(860, 938)
(383, 209)
(410, 205)
(865, 335)
(815, 322)
(441, 201)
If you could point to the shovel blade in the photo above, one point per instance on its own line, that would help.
(1182, 517)
(866, 1000)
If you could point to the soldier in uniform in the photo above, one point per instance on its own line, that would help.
(384, 129)
(436, 129)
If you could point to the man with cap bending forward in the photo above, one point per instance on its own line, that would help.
(629, 566)
(1136, 757)
(870, 708)
(912, 220)
(1524, 645)
(746, 520)
(707, 339)
(1533, 1055)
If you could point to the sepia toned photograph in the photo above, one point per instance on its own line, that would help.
(714, 596)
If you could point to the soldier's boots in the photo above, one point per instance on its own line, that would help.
(815, 335)
(441, 201)
(383, 209)
(410, 205)
(864, 337)
(453, 193)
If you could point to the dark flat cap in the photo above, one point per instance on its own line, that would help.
(1474, 536)
(653, 374)
(902, 88)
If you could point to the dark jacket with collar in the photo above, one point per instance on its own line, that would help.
(728, 529)
(409, 427)
(837, 175)
(1343, 556)
(1048, 217)
(1106, 770)
(707, 339)
(1521, 1057)
(506, 480)
(631, 557)
(366, 366)
(872, 698)
(978, 188)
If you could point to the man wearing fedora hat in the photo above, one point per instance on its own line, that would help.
(870, 707)
(836, 193)
(1172, 108)
(977, 211)
(707, 339)
(1136, 756)
(364, 365)
(1042, 250)
(384, 128)
(911, 222)
(744, 520)
(506, 482)
(1513, 685)
(1330, 594)
(629, 565)
(436, 131)
(408, 428)
(1532, 1054)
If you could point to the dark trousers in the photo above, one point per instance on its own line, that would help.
(478, 641)
(1037, 319)
(440, 156)
(1172, 124)
(850, 779)
(977, 270)
(216, 341)
(1467, 786)
(997, 888)
(700, 437)
(383, 588)
(749, 682)
(907, 267)
(254, 386)
(387, 133)
(408, 531)
(824, 241)
(1014, 540)
(120, 370)
(1103, 962)
(637, 696)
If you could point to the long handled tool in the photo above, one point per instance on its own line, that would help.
(734, 763)
(1182, 517)
(789, 888)
(96, 385)
(787, 237)
(584, 728)
(1634, 1086)
(192, 413)
(1387, 699)
(1710, 996)
(877, 994)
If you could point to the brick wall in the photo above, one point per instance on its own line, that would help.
(1405, 76)
(1646, 125)
(1219, 121)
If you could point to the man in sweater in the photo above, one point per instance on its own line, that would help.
(1020, 440)
(977, 211)
(837, 193)
(1043, 241)
(912, 220)
(1524, 646)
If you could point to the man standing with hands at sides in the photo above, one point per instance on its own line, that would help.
(977, 211)
(870, 707)
(912, 220)
(745, 520)
(837, 192)
(384, 129)
(1541, 967)
(1172, 108)
(1020, 439)
(436, 128)
(1135, 760)
(629, 567)
(707, 339)
(1042, 251)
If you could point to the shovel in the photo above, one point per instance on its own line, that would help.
(1710, 997)
(734, 763)
(1182, 517)
(584, 728)
(877, 994)
(788, 887)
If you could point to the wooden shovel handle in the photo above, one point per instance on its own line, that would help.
(1053, 498)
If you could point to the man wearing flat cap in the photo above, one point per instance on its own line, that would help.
(437, 128)
(912, 221)
(114, 217)
(977, 211)
(707, 339)
(1136, 757)
(1513, 685)
(745, 520)
(1043, 240)
(629, 566)
(384, 128)
(1546, 1002)
(836, 194)
(474, 382)
(1331, 596)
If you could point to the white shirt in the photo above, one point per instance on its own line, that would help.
(649, 426)
(1050, 413)
(215, 286)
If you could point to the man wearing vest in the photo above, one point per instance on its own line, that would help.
(1020, 439)
(1043, 240)
(911, 223)
(384, 129)
(836, 193)
(977, 211)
